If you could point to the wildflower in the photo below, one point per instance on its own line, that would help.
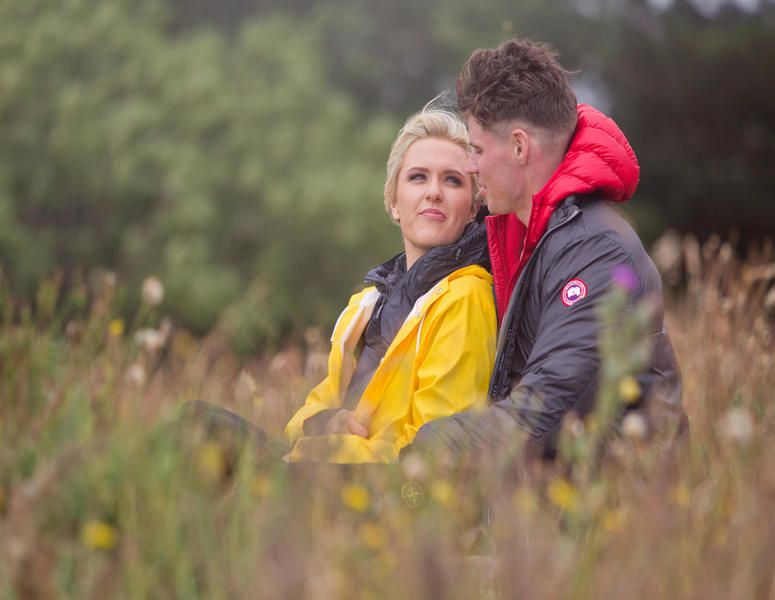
(590, 423)
(574, 425)
(720, 537)
(99, 535)
(259, 486)
(629, 389)
(414, 466)
(681, 495)
(442, 492)
(116, 328)
(666, 253)
(153, 291)
(372, 535)
(525, 501)
(634, 427)
(149, 340)
(211, 460)
(563, 494)
(356, 497)
(736, 425)
(245, 387)
(613, 521)
(625, 278)
(769, 300)
(110, 280)
(73, 330)
(135, 374)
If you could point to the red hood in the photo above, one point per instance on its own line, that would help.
(599, 159)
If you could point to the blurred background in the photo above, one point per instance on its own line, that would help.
(236, 149)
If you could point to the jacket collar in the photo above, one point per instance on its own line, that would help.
(599, 159)
(437, 263)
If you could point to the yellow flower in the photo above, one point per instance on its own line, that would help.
(116, 328)
(629, 389)
(442, 492)
(99, 535)
(590, 423)
(259, 486)
(372, 535)
(211, 460)
(563, 494)
(681, 495)
(356, 497)
(613, 520)
(525, 501)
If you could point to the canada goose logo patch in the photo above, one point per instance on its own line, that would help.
(573, 291)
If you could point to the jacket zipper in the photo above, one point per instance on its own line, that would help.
(516, 295)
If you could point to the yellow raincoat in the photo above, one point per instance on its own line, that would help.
(438, 364)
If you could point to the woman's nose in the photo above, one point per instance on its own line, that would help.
(433, 192)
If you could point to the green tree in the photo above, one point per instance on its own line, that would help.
(227, 168)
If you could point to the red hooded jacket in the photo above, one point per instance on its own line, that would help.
(599, 159)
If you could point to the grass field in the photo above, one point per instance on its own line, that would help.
(104, 494)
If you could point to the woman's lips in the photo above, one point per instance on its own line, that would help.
(433, 214)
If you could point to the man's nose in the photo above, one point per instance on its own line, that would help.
(472, 166)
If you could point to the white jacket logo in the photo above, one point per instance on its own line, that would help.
(573, 291)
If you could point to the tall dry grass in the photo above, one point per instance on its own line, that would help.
(105, 494)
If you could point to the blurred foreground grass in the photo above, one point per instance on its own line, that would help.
(103, 494)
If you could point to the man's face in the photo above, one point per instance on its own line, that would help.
(493, 162)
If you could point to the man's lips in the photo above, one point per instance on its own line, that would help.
(433, 214)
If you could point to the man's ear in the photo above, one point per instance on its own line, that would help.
(520, 145)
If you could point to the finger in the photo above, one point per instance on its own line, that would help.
(357, 428)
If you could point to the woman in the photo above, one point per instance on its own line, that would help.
(419, 342)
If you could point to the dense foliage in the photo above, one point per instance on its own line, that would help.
(236, 149)
(230, 169)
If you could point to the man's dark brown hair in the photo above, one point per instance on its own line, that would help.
(519, 79)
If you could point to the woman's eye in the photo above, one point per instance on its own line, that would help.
(416, 177)
(454, 180)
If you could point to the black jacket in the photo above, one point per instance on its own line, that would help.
(548, 358)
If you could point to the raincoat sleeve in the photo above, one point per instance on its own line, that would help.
(326, 395)
(456, 351)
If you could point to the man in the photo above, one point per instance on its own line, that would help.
(548, 170)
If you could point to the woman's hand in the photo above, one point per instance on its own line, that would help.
(344, 421)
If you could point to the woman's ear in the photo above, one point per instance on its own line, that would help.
(474, 211)
(394, 213)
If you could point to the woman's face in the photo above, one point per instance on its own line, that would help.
(434, 199)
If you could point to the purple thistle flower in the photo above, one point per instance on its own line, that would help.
(625, 277)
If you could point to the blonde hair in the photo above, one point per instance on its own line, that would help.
(436, 123)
